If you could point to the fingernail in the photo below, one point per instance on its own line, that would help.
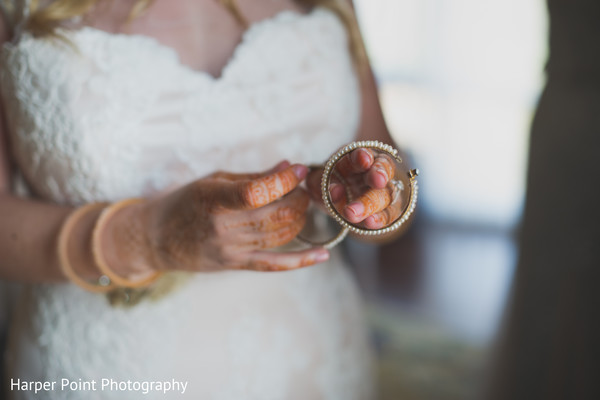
(370, 221)
(300, 171)
(362, 157)
(322, 256)
(356, 208)
(355, 155)
(282, 165)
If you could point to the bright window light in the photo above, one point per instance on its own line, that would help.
(459, 81)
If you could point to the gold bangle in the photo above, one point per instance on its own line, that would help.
(330, 169)
(97, 247)
(103, 284)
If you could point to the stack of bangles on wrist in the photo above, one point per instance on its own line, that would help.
(109, 280)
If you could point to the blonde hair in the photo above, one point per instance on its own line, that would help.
(44, 19)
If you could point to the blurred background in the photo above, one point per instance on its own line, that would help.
(459, 82)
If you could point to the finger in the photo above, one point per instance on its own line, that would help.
(337, 192)
(386, 217)
(383, 169)
(290, 208)
(260, 192)
(357, 161)
(229, 176)
(371, 202)
(271, 261)
(276, 215)
(338, 196)
(313, 183)
(271, 239)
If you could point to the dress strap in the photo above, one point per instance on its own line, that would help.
(15, 14)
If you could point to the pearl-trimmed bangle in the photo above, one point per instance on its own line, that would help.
(326, 181)
(99, 255)
(103, 284)
(346, 227)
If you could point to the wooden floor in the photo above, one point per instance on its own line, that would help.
(436, 298)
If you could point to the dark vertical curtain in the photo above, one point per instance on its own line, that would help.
(551, 344)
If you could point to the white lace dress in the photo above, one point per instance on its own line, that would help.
(121, 117)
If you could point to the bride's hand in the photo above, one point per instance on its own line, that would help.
(225, 221)
(369, 176)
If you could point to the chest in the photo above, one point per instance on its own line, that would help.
(122, 116)
(204, 33)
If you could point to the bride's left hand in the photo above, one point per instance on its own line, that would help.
(370, 177)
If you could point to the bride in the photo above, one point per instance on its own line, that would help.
(143, 141)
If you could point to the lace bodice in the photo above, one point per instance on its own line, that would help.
(85, 121)
(114, 116)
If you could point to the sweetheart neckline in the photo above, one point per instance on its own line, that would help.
(246, 40)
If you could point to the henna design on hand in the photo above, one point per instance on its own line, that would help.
(227, 220)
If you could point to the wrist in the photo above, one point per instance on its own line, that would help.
(123, 242)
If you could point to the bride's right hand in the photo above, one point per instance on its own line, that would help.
(225, 221)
